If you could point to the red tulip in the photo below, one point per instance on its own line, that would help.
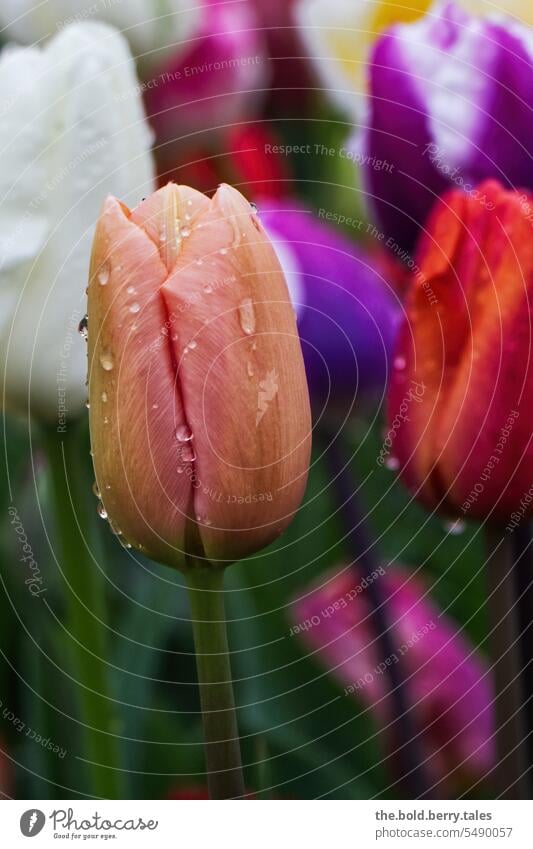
(462, 387)
(199, 409)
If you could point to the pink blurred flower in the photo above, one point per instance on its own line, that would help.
(214, 82)
(447, 682)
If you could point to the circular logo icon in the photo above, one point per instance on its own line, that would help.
(32, 822)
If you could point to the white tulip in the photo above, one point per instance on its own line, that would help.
(72, 131)
(150, 27)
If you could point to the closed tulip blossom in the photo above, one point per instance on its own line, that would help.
(450, 104)
(199, 408)
(347, 312)
(447, 681)
(72, 129)
(463, 362)
(213, 82)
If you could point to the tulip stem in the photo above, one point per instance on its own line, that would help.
(410, 766)
(85, 608)
(523, 541)
(510, 774)
(222, 746)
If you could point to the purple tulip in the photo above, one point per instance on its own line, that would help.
(448, 681)
(451, 103)
(347, 313)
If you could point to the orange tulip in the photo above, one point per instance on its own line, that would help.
(462, 388)
(199, 410)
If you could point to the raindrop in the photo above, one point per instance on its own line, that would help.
(106, 361)
(135, 307)
(115, 528)
(253, 207)
(184, 433)
(199, 261)
(250, 369)
(399, 363)
(223, 251)
(103, 274)
(189, 202)
(104, 397)
(87, 403)
(185, 232)
(130, 290)
(187, 454)
(455, 527)
(83, 327)
(208, 289)
(106, 420)
(392, 463)
(100, 509)
(203, 520)
(192, 344)
(96, 491)
(247, 316)
(155, 406)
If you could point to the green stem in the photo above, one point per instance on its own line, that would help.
(85, 608)
(511, 771)
(222, 747)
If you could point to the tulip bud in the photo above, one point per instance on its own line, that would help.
(462, 385)
(199, 412)
(72, 129)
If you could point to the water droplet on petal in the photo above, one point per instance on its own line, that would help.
(155, 406)
(184, 433)
(192, 344)
(115, 528)
(83, 326)
(203, 520)
(187, 454)
(103, 274)
(392, 463)
(130, 290)
(253, 207)
(185, 232)
(96, 491)
(104, 397)
(247, 316)
(250, 369)
(100, 509)
(135, 307)
(455, 527)
(399, 363)
(223, 251)
(199, 261)
(106, 361)
(87, 403)
(208, 289)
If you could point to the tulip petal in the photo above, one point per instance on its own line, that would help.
(234, 321)
(136, 407)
